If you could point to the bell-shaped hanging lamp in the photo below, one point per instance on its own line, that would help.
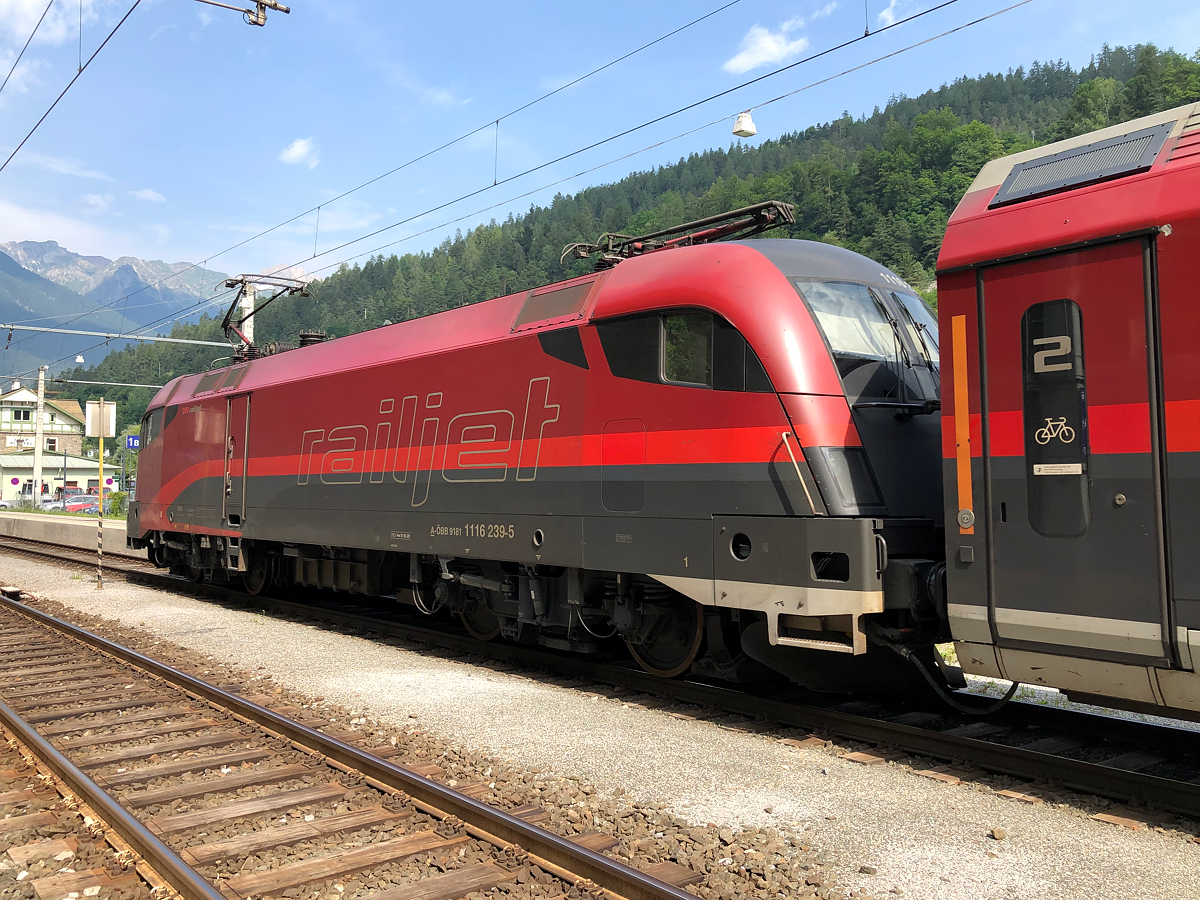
(744, 126)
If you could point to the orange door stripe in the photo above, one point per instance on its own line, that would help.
(962, 418)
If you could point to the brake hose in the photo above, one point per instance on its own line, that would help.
(946, 696)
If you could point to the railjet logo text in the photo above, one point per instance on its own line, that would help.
(472, 447)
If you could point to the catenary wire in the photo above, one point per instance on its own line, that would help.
(82, 68)
(625, 156)
(634, 129)
(490, 123)
(474, 193)
(27, 43)
(722, 118)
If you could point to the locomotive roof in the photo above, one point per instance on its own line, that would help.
(828, 262)
(750, 294)
(1088, 187)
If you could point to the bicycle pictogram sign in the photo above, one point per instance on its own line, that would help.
(1055, 428)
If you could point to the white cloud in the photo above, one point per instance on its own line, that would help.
(205, 18)
(18, 223)
(63, 165)
(22, 76)
(148, 194)
(433, 95)
(823, 11)
(161, 231)
(888, 16)
(301, 150)
(443, 97)
(18, 18)
(96, 203)
(763, 47)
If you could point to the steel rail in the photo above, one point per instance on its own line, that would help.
(1089, 777)
(161, 858)
(556, 854)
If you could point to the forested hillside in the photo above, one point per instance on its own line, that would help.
(883, 184)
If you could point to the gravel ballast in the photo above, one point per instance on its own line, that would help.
(882, 830)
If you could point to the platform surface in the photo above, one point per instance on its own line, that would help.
(68, 531)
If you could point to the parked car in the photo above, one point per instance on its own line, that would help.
(52, 504)
(81, 503)
(4, 504)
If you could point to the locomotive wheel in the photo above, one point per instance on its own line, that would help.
(194, 574)
(481, 623)
(676, 642)
(257, 575)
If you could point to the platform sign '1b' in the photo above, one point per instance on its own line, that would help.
(133, 442)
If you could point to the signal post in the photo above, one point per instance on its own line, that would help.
(100, 422)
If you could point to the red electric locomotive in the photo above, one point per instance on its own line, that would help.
(723, 454)
(1071, 438)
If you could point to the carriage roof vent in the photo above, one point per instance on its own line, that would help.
(1115, 157)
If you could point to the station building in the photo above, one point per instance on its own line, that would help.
(16, 473)
(62, 423)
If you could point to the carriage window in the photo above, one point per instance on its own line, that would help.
(860, 335)
(688, 348)
(1055, 418)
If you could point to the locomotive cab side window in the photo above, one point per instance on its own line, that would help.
(151, 426)
(686, 348)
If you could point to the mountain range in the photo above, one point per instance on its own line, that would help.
(84, 274)
(43, 284)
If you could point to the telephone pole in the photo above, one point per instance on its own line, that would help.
(38, 432)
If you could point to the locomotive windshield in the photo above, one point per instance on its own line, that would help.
(923, 327)
(864, 332)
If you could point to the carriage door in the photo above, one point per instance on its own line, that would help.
(1077, 559)
(237, 434)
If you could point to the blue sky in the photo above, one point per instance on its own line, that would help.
(192, 130)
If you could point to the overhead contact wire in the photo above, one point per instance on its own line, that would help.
(27, 43)
(716, 121)
(425, 155)
(82, 69)
(656, 120)
(476, 192)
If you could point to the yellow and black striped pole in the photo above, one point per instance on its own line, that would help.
(100, 515)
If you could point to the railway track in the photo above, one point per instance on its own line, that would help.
(227, 798)
(1112, 757)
